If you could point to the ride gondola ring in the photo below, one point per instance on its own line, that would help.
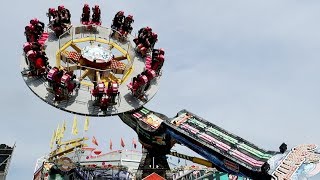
(81, 101)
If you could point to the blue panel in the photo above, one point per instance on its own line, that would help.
(203, 152)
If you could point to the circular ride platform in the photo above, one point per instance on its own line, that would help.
(98, 52)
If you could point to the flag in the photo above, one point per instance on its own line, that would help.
(75, 126)
(63, 128)
(178, 160)
(57, 136)
(94, 141)
(53, 139)
(110, 145)
(86, 124)
(134, 143)
(122, 143)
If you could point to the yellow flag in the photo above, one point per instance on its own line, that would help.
(58, 134)
(57, 137)
(53, 139)
(75, 126)
(63, 129)
(86, 124)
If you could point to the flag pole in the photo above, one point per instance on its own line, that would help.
(84, 131)
(121, 158)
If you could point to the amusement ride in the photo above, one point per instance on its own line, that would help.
(93, 70)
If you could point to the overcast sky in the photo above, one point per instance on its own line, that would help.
(251, 67)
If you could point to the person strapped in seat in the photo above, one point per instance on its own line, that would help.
(85, 17)
(96, 16)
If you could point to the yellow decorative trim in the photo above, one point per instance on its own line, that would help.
(112, 44)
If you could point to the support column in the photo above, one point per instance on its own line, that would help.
(153, 163)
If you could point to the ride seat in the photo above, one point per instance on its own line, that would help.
(148, 62)
(31, 54)
(65, 79)
(151, 74)
(85, 22)
(43, 38)
(96, 23)
(26, 47)
(94, 92)
(52, 72)
(104, 103)
(129, 86)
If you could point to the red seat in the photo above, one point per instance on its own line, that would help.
(45, 34)
(129, 85)
(39, 64)
(143, 49)
(148, 60)
(140, 46)
(85, 22)
(43, 39)
(26, 47)
(95, 23)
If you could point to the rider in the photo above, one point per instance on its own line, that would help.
(28, 34)
(43, 56)
(31, 34)
(52, 14)
(35, 46)
(127, 24)
(38, 25)
(112, 91)
(57, 26)
(156, 52)
(157, 63)
(64, 18)
(138, 39)
(118, 20)
(64, 14)
(85, 13)
(153, 39)
(96, 15)
(144, 34)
